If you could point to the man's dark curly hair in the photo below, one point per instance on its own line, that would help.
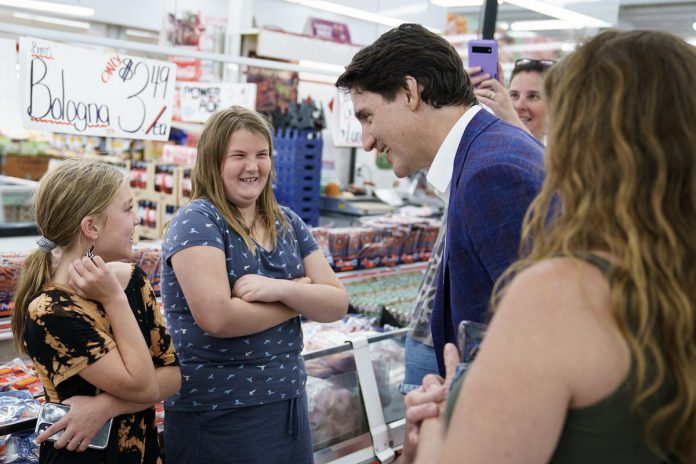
(410, 50)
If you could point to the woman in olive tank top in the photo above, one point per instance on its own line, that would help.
(591, 354)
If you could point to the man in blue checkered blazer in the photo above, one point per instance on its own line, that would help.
(416, 103)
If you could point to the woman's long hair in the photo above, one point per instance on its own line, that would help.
(67, 194)
(621, 178)
(206, 176)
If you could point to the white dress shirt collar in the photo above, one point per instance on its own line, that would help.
(440, 172)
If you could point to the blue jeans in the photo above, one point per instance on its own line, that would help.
(420, 361)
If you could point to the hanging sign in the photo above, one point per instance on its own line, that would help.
(346, 130)
(200, 101)
(80, 91)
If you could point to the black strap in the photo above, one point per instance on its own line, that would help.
(602, 264)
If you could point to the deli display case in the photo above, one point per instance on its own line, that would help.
(356, 412)
(15, 215)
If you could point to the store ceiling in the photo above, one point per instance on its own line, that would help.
(677, 16)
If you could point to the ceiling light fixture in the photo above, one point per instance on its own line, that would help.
(143, 34)
(521, 34)
(52, 20)
(333, 68)
(354, 13)
(49, 7)
(578, 19)
(544, 25)
(460, 38)
(462, 3)
(536, 47)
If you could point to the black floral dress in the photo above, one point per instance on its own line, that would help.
(64, 333)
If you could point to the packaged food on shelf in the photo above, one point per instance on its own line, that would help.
(20, 448)
(16, 375)
(10, 265)
(321, 236)
(381, 241)
(147, 256)
(17, 407)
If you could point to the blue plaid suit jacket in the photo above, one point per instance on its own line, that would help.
(498, 170)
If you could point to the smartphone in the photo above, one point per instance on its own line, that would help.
(52, 412)
(469, 339)
(484, 53)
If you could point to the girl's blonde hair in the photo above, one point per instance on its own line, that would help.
(621, 177)
(206, 176)
(70, 192)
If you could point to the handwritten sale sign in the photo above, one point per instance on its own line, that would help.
(80, 91)
(346, 130)
(200, 100)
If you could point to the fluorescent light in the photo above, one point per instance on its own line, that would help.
(545, 8)
(317, 78)
(143, 34)
(334, 68)
(354, 13)
(459, 38)
(450, 3)
(693, 26)
(578, 20)
(544, 25)
(52, 20)
(408, 9)
(50, 7)
(538, 47)
(521, 34)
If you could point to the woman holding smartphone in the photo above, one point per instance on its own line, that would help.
(523, 103)
(91, 324)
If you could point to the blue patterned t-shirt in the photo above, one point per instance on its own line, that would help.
(220, 373)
